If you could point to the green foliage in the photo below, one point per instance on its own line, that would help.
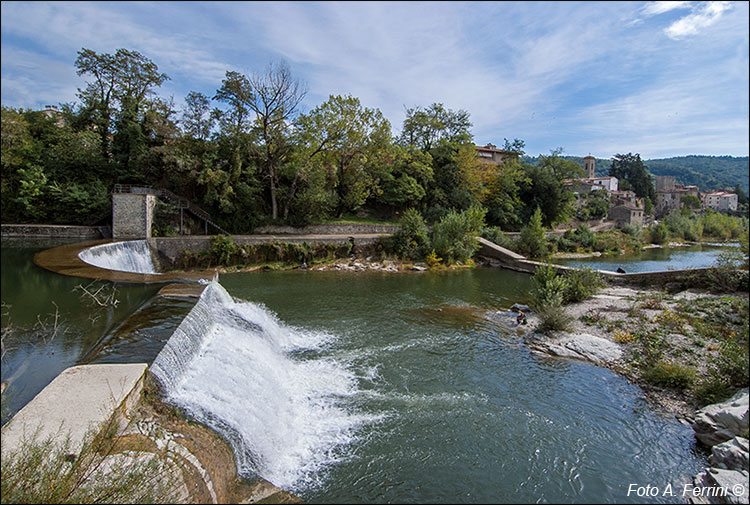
(548, 299)
(659, 234)
(424, 128)
(495, 235)
(532, 241)
(454, 236)
(721, 226)
(542, 189)
(223, 249)
(633, 174)
(412, 239)
(582, 284)
(671, 375)
(683, 225)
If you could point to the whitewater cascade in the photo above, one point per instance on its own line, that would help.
(264, 386)
(131, 256)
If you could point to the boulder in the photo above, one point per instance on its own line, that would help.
(731, 455)
(720, 422)
(517, 307)
(716, 485)
(581, 346)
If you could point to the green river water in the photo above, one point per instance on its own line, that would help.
(465, 413)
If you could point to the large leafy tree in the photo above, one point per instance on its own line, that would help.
(632, 173)
(122, 83)
(424, 127)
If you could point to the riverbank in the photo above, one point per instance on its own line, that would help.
(671, 345)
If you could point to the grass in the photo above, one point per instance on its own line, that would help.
(45, 471)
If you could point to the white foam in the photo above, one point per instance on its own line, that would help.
(232, 367)
(131, 256)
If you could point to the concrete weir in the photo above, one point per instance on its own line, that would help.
(80, 399)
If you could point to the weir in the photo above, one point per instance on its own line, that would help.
(235, 368)
(132, 256)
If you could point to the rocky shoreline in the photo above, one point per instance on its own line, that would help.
(603, 320)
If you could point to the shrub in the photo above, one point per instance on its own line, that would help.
(659, 234)
(585, 236)
(412, 238)
(672, 375)
(711, 390)
(41, 471)
(223, 249)
(582, 284)
(432, 260)
(623, 337)
(454, 236)
(495, 235)
(548, 297)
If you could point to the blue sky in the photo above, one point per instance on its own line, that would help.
(658, 78)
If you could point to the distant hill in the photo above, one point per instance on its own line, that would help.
(706, 172)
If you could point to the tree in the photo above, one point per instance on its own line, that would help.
(424, 128)
(690, 202)
(125, 78)
(350, 143)
(236, 91)
(197, 120)
(517, 146)
(275, 98)
(629, 167)
(545, 192)
(532, 240)
(404, 182)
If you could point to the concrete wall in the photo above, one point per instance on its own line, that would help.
(51, 231)
(132, 215)
(512, 261)
(329, 229)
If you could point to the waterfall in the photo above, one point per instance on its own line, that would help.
(131, 256)
(266, 387)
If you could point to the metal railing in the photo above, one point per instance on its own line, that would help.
(182, 203)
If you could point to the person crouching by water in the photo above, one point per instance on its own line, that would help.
(521, 318)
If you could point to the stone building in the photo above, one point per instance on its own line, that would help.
(720, 200)
(491, 154)
(669, 194)
(626, 214)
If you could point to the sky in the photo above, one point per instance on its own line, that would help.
(657, 78)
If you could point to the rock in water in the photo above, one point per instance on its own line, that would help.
(720, 422)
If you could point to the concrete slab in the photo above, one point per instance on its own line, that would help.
(79, 399)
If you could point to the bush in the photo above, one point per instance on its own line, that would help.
(582, 284)
(548, 296)
(659, 234)
(223, 249)
(495, 235)
(454, 236)
(412, 240)
(710, 391)
(671, 375)
(585, 236)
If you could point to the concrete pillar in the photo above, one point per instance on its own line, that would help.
(132, 215)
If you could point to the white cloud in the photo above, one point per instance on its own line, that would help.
(656, 8)
(706, 15)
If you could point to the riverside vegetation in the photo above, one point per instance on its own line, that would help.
(692, 345)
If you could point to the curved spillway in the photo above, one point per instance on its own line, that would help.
(131, 256)
(234, 367)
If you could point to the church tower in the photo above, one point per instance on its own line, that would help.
(588, 166)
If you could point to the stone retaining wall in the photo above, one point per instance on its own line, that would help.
(329, 229)
(169, 248)
(51, 231)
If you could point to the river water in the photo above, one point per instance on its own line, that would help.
(654, 259)
(377, 387)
